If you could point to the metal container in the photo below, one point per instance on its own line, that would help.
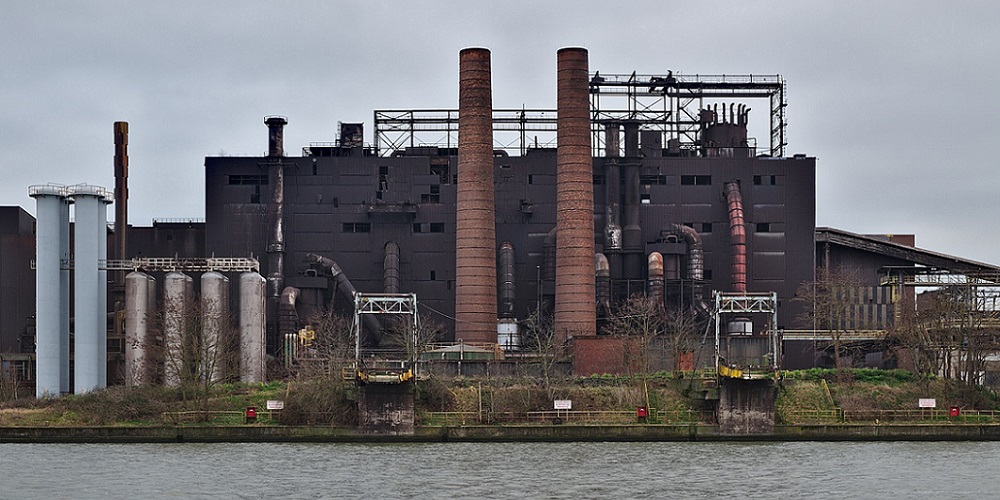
(137, 319)
(177, 295)
(252, 321)
(212, 349)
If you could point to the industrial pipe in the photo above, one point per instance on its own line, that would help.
(505, 273)
(737, 237)
(696, 260)
(602, 282)
(331, 270)
(654, 284)
(288, 316)
(390, 268)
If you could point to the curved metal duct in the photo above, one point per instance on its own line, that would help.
(602, 282)
(475, 232)
(654, 284)
(696, 260)
(390, 268)
(505, 273)
(329, 269)
(738, 237)
(575, 311)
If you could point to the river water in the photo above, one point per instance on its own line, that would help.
(902, 470)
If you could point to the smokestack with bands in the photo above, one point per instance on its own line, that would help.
(121, 192)
(575, 311)
(475, 235)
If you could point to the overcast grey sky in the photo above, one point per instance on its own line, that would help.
(896, 99)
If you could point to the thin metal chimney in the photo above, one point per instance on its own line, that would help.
(275, 135)
(121, 192)
(475, 235)
(575, 310)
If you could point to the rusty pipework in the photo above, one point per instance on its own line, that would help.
(475, 235)
(695, 260)
(737, 238)
(575, 309)
(654, 283)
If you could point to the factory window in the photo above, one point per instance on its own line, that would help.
(598, 180)
(696, 180)
(505, 167)
(437, 227)
(763, 227)
(454, 179)
(357, 227)
(248, 180)
(435, 189)
(706, 274)
(442, 172)
(417, 228)
(531, 179)
(433, 275)
(430, 198)
(765, 180)
(255, 198)
(314, 168)
(649, 180)
(645, 199)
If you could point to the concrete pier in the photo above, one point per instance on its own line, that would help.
(746, 406)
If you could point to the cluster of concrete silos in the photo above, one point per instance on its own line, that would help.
(181, 335)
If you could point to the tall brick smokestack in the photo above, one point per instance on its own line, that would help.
(575, 311)
(475, 236)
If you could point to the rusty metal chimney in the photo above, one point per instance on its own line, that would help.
(475, 235)
(121, 193)
(275, 135)
(575, 311)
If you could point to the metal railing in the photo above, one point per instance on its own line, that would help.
(927, 415)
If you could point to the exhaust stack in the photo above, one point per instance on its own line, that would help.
(475, 236)
(575, 310)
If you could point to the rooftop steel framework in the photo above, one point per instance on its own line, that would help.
(666, 103)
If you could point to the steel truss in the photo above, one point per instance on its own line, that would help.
(745, 304)
(400, 304)
(668, 103)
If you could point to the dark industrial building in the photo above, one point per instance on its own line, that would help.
(633, 184)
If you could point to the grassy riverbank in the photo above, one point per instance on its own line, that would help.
(805, 397)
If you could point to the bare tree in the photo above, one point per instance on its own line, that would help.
(831, 303)
(639, 321)
(331, 346)
(539, 339)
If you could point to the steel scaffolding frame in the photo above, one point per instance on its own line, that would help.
(666, 103)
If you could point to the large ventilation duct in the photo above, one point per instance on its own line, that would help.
(214, 345)
(612, 189)
(575, 311)
(654, 284)
(506, 278)
(390, 268)
(738, 237)
(50, 340)
(140, 302)
(475, 235)
(331, 270)
(252, 307)
(632, 232)
(695, 260)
